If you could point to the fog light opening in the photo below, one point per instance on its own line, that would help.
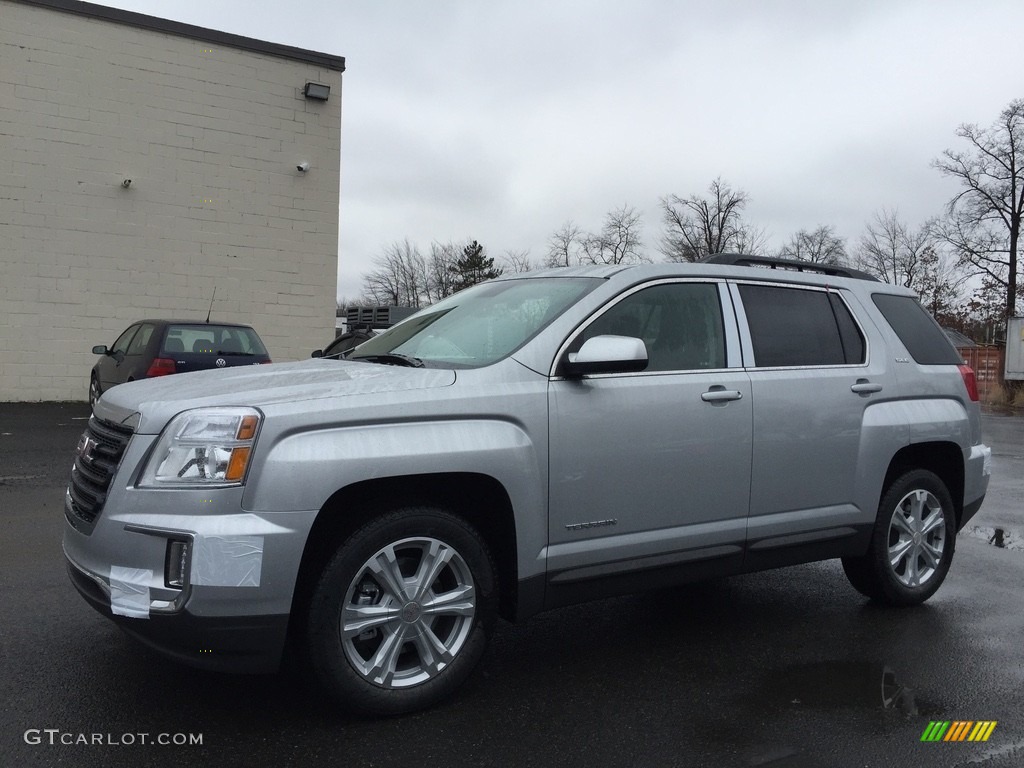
(176, 564)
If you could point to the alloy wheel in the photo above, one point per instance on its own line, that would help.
(408, 612)
(917, 538)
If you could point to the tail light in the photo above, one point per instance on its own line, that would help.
(161, 366)
(970, 381)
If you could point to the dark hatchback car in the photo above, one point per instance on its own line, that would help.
(151, 348)
(344, 343)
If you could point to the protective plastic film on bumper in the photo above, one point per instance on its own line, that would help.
(227, 561)
(129, 591)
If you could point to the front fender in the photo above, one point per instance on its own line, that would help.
(302, 470)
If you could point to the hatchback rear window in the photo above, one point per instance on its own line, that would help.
(203, 339)
(926, 342)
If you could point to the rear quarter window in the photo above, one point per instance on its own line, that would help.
(926, 342)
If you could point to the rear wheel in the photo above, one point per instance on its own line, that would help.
(912, 544)
(401, 613)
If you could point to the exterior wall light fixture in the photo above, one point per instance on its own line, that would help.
(317, 91)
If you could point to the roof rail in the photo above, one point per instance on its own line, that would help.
(769, 262)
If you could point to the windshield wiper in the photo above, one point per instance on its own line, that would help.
(391, 358)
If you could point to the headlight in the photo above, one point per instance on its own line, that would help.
(205, 447)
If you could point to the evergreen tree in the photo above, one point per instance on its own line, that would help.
(474, 266)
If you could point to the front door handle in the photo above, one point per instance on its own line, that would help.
(721, 395)
(865, 387)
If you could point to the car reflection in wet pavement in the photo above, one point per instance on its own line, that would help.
(1004, 538)
(842, 684)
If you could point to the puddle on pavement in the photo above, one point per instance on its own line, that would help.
(842, 684)
(1004, 538)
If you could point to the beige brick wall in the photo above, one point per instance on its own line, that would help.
(210, 137)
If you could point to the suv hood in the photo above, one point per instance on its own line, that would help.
(157, 400)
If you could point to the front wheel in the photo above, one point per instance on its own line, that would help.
(94, 390)
(912, 543)
(401, 613)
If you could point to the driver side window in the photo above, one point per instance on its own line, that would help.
(679, 323)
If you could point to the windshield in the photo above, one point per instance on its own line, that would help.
(478, 326)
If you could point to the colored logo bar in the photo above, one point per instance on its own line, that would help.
(959, 730)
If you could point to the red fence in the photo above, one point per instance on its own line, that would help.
(988, 364)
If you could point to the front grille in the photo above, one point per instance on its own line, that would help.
(99, 453)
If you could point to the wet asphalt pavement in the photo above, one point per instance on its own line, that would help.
(784, 668)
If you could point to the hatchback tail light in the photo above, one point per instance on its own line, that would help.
(970, 381)
(161, 366)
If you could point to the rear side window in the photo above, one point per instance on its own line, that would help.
(921, 335)
(799, 327)
(138, 345)
(121, 345)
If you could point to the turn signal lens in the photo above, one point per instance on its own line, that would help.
(247, 429)
(236, 464)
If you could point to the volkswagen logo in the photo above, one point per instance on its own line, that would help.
(221, 362)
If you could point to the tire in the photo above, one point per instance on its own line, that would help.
(912, 543)
(402, 611)
(94, 390)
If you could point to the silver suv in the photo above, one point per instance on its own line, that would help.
(531, 442)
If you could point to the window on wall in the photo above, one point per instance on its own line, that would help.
(679, 323)
(800, 327)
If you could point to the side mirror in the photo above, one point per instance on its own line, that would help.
(317, 353)
(100, 349)
(607, 354)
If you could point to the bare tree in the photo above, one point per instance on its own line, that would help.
(563, 246)
(618, 242)
(891, 250)
(750, 239)
(698, 226)
(985, 309)
(820, 246)
(440, 281)
(399, 276)
(516, 262)
(983, 220)
(942, 284)
(345, 301)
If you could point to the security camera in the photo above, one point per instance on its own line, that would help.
(126, 183)
(302, 167)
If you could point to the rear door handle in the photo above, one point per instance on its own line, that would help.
(865, 387)
(721, 395)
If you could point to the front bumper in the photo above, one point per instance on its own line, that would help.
(249, 644)
(231, 611)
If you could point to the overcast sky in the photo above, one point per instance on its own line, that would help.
(499, 121)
